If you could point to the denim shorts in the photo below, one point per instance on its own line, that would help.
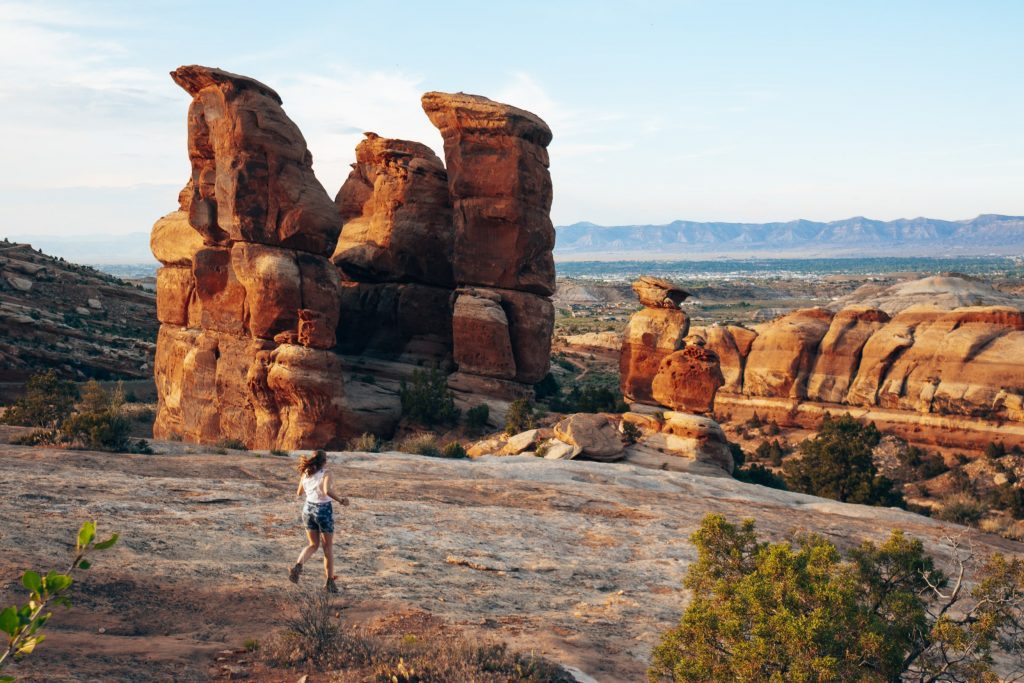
(318, 517)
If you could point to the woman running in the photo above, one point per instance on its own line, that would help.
(318, 516)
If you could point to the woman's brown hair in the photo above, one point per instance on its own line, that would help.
(311, 464)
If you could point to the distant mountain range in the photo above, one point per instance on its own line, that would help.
(859, 236)
(681, 240)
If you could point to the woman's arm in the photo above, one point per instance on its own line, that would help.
(301, 490)
(327, 490)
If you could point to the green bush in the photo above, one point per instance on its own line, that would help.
(428, 400)
(100, 423)
(232, 444)
(22, 626)
(589, 399)
(546, 387)
(801, 612)
(760, 475)
(454, 450)
(925, 465)
(477, 416)
(520, 417)
(772, 451)
(838, 464)
(47, 402)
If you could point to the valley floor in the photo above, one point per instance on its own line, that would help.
(579, 561)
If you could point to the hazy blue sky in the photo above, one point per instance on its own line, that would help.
(703, 110)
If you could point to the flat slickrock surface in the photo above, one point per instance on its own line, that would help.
(582, 562)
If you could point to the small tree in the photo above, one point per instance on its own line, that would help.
(427, 399)
(520, 417)
(838, 464)
(22, 625)
(47, 400)
(800, 612)
(100, 422)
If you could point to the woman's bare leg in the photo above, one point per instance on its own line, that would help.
(314, 543)
(328, 544)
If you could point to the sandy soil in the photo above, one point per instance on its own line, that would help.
(580, 561)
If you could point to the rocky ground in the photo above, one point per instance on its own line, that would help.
(579, 561)
(77, 320)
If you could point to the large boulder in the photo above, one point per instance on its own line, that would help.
(651, 335)
(252, 174)
(695, 437)
(500, 189)
(480, 335)
(783, 354)
(839, 355)
(173, 241)
(688, 379)
(595, 436)
(531, 322)
(397, 218)
(655, 292)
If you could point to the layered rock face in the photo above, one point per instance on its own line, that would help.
(267, 285)
(688, 380)
(500, 190)
(964, 361)
(247, 298)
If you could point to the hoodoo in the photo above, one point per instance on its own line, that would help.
(269, 289)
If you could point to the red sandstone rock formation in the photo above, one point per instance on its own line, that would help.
(783, 354)
(397, 219)
(651, 335)
(688, 379)
(248, 318)
(839, 353)
(731, 344)
(254, 315)
(500, 189)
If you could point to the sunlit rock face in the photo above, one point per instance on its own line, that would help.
(270, 290)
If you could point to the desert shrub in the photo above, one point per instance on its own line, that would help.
(365, 442)
(631, 432)
(100, 422)
(232, 444)
(799, 611)
(280, 452)
(995, 450)
(21, 627)
(47, 401)
(458, 659)
(924, 464)
(428, 400)
(838, 464)
(772, 451)
(520, 416)
(420, 444)
(546, 387)
(755, 421)
(772, 428)
(316, 635)
(961, 509)
(760, 475)
(738, 456)
(477, 416)
(454, 449)
(589, 398)
(1009, 498)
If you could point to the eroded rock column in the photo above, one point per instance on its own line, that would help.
(500, 189)
(247, 296)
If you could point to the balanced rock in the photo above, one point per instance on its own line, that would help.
(688, 379)
(654, 292)
(594, 435)
(397, 218)
(500, 188)
(651, 335)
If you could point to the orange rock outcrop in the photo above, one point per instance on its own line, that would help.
(268, 285)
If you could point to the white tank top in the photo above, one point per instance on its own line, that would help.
(314, 492)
